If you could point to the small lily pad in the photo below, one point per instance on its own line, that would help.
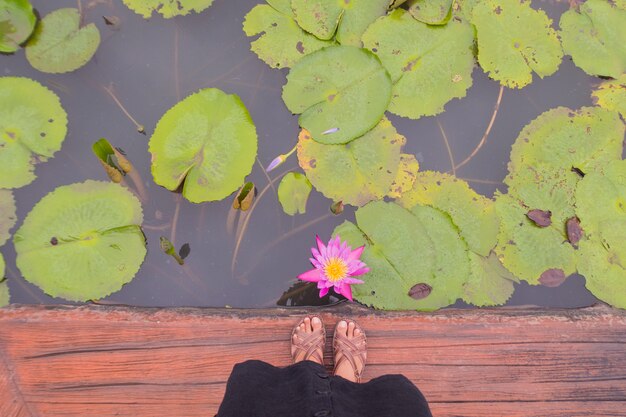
(604, 272)
(358, 172)
(82, 241)
(167, 8)
(611, 95)
(17, 22)
(281, 42)
(407, 173)
(60, 45)
(244, 198)
(7, 215)
(340, 92)
(472, 213)
(429, 65)
(489, 282)
(593, 34)
(432, 12)
(115, 164)
(33, 126)
(4, 288)
(293, 193)
(514, 40)
(585, 139)
(357, 17)
(208, 141)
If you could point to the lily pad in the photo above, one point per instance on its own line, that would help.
(526, 249)
(472, 213)
(429, 65)
(17, 22)
(604, 272)
(60, 45)
(207, 140)
(358, 172)
(33, 126)
(404, 249)
(489, 283)
(167, 8)
(4, 288)
(340, 92)
(562, 138)
(283, 6)
(82, 241)
(7, 215)
(514, 40)
(357, 17)
(594, 36)
(293, 193)
(432, 12)
(319, 17)
(281, 42)
(407, 173)
(611, 95)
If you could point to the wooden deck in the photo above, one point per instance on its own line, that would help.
(105, 361)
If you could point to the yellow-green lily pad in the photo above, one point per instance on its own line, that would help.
(7, 215)
(17, 22)
(33, 126)
(611, 95)
(167, 8)
(432, 12)
(407, 174)
(604, 271)
(489, 282)
(293, 193)
(4, 288)
(340, 92)
(207, 142)
(60, 44)
(82, 241)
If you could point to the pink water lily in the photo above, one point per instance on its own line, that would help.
(335, 266)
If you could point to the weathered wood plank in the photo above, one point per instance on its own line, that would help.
(104, 361)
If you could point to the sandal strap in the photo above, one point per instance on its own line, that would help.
(310, 345)
(349, 349)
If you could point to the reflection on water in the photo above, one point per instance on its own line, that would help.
(150, 65)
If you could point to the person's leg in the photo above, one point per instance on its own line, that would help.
(350, 347)
(308, 340)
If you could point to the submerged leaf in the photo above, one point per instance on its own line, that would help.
(208, 141)
(167, 8)
(7, 215)
(60, 45)
(184, 251)
(17, 22)
(339, 87)
(358, 172)
(281, 42)
(433, 12)
(33, 126)
(561, 138)
(244, 198)
(472, 213)
(407, 173)
(594, 36)
(428, 65)
(293, 193)
(514, 40)
(611, 95)
(82, 241)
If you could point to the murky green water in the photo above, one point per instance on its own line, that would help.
(150, 65)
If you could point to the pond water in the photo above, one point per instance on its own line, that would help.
(151, 65)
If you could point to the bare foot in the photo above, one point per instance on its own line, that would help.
(304, 345)
(350, 351)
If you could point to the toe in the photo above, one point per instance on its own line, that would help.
(316, 323)
(342, 327)
(307, 325)
(351, 327)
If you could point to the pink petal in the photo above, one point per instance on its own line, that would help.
(323, 292)
(314, 275)
(356, 254)
(360, 271)
(320, 244)
(345, 290)
(351, 281)
(315, 263)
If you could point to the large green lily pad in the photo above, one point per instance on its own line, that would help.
(281, 42)
(432, 12)
(293, 193)
(594, 36)
(33, 126)
(340, 92)
(17, 22)
(355, 173)
(404, 249)
(60, 45)
(357, 16)
(472, 213)
(207, 140)
(514, 40)
(585, 139)
(526, 249)
(4, 288)
(604, 270)
(167, 8)
(82, 241)
(611, 95)
(429, 65)
(7, 215)
(489, 282)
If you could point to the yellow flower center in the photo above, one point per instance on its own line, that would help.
(336, 269)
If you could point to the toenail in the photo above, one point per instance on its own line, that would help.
(316, 320)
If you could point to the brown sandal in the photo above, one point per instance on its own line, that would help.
(311, 344)
(350, 349)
